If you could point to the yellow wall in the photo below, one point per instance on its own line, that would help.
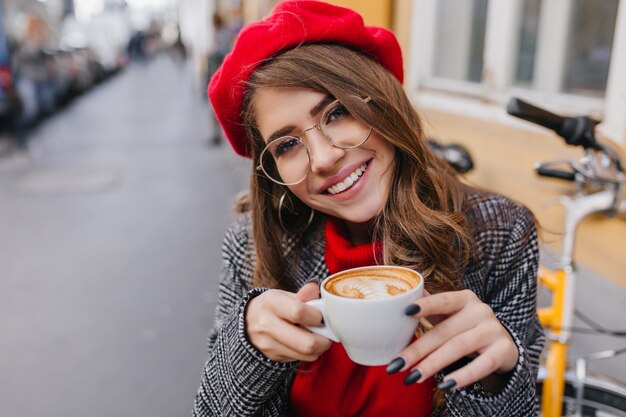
(374, 12)
(504, 158)
(391, 14)
(402, 10)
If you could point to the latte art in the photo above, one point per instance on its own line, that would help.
(371, 285)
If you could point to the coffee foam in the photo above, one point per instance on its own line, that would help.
(373, 284)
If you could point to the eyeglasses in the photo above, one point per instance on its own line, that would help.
(287, 160)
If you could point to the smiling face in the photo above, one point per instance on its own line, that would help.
(351, 184)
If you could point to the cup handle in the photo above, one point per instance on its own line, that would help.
(323, 330)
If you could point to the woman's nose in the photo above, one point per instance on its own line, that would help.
(323, 154)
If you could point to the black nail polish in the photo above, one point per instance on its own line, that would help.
(412, 377)
(395, 365)
(412, 309)
(447, 385)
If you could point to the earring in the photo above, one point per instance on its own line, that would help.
(280, 216)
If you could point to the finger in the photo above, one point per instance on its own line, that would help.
(444, 303)
(452, 350)
(481, 367)
(270, 333)
(433, 339)
(278, 339)
(310, 291)
(432, 319)
(427, 323)
(287, 306)
(298, 312)
(261, 333)
(303, 344)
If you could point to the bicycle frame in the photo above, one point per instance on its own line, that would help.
(559, 316)
(600, 179)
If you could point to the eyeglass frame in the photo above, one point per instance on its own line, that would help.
(300, 138)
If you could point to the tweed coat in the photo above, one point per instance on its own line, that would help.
(238, 380)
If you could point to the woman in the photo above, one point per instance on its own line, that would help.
(342, 177)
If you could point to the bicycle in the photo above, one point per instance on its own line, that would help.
(599, 182)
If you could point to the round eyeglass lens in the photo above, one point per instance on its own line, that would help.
(342, 128)
(285, 160)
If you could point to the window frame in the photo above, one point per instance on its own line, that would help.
(500, 59)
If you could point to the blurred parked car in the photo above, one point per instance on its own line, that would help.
(104, 39)
(9, 103)
(50, 78)
(50, 62)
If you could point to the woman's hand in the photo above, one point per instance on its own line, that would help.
(465, 326)
(272, 324)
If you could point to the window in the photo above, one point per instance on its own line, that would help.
(565, 47)
(460, 39)
(567, 54)
(545, 46)
(527, 42)
(590, 41)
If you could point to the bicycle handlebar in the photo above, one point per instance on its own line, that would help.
(556, 173)
(577, 131)
(526, 111)
(601, 163)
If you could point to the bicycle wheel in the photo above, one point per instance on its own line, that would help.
(602, 397)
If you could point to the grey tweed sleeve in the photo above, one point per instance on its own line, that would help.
(510, 251)
(238, 380)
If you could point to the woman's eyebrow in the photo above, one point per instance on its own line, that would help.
(320, 106)
(286, 130)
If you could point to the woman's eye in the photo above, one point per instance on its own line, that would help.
(286, 145)
(338, 112)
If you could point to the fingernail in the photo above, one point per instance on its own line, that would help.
(412, 377)
(412, 309)
(315, 280)
(447, 385)
(395, 365)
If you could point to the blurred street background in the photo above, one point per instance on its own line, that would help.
(116, 185)
(110, 251)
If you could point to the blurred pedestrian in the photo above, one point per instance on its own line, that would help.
(136, 46)
(178, 47)
(31, 78)
(222, 41)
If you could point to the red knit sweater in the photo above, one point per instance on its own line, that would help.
(333, 385)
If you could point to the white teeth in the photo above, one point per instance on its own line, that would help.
(349, 181)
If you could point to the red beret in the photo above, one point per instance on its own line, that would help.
(290, 24)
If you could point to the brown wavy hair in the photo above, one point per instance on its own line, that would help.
(422, 224)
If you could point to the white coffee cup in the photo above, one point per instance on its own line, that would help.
(372, 330)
